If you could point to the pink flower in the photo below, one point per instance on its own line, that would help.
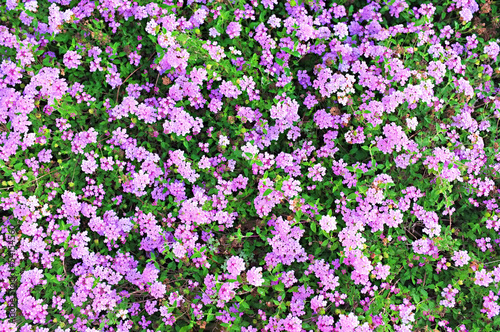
(158, 290)
(466, 14)
(382, 271)
(492, 50)
(254, 276)
(72, 59)
(318, 302)
(316, 172)
(412, 123)
(235, 265)
(483, 278)
(233, 30)
(291, 187)
(328, 223)
(461, 258)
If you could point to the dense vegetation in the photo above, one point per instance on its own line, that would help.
(262, 165)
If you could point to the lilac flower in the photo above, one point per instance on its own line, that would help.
(158, 290)
(233, 30)
(235, 265)
(151, 27)
(72, 59)
(490, 306)
(328, 223)
(382, 271)
(492, 49)
(461, 258)
(254, 276)
(223, 140)
(213, 32)
(449, 294)
(316, 172)
(269, 3)
(291, 187)
(466, 14)
(274, 21)
(483, 278)
(179, 250)
(341, 30)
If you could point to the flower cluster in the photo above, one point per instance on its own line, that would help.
(249, 165)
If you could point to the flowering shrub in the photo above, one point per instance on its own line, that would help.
(233, 165)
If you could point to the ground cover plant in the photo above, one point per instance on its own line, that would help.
(261, 165)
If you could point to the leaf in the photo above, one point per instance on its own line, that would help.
(313, 227)
(186, 328)
(267, 192)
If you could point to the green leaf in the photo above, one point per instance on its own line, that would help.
(186, 328)
(313, 227)
(267, 192)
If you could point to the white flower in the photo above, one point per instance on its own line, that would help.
(45, 211)
(328, 223)
(31, 6)
(122, 313)
(412, 123)
(151, 27)
(223, 140)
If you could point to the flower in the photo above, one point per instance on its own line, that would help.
(72, 59)
(412, 123)
(328, 223)
(235, 265)
(233, 30)
(466, 15)
(461, 258)
(254, 276)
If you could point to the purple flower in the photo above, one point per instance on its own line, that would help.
(233, 30)
(235, 265)
(254, 276)
(461, 258)
(492, 50)
(72, 59)
(466, 14)
(328, 223)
